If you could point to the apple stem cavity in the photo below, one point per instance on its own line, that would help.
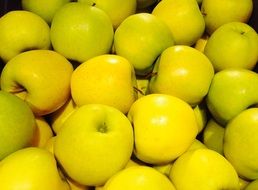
(103, 128)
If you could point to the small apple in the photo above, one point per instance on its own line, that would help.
(233, 45)
(241, 135)
(21, 31)
(80, 31)
(184, 19)
(95, 142)
(184, 72)
(231, 91)
(17, 125)
(39, 77)
(217, 13)
(106, 79)
(164, 127)
(201, 113)
(43, 8)
(117, 10)
(141, 38)
(203, 169)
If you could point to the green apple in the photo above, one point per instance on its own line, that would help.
(253, 185)
(241, 135)
(106, 79)
(213, 136)
(39, 77)
(184, 19)
(17, 126)
(43, 8)
(217, 13)
(164, 127)
(21, 31)
(80, 31)
(203, 169)
(184, 72)
(141, 38)
(31, 168)
(117, 10)
(233, 45)
(139, 178)
(231, 91)
(94, 143)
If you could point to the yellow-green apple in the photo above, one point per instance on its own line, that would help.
(45, 9)
(201, 42)
(233, 45)
(241, 135)
(201, 113)
(253, 185)
(213, 136)
(95, 142)
(164, 127)
(117, 10)
(17, 125)
(21, 31)
(231, 91)
(31, 168)
(106, 79)
(184, 72)
(141, 38)
(138, 178)
(203, 169)
(39, 77)
(184, 19)
(80, 31)
(217, 13)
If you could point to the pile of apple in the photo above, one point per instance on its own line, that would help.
(129, 95)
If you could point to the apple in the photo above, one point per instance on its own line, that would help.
(201, 113)
(201, 42)
(95, 142)
(39, 77)
(184, 19)
(141, 38)
(43, 8)
(213, 136)
(164, 127)
(106, 79)
(203, 169)
(217, 13)
(21, 31)
(31, 168)
(231, 91)
(184, 72)
(80, 31)
(17, 126)
(138, 178)
(117, 10)
(233, 45)
(241, 135)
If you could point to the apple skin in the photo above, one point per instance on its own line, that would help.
(184, 19)
(21, 31)
(184, 72)
(106, 79)
(217, 13)
(98, 133)
(117, 10)
(241, 135)
(164, 127)
(80, 31)
(231, 91)
(39, 77)
(43, 8)
(253, 185)
(141, 38)
(15, 136)
(201, 42)
(233, 45)
(205, 169)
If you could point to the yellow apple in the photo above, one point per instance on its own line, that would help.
(21, 31)
(49, 145)
(95, 142)
(106, 79)
(164, 127)
(39, 77)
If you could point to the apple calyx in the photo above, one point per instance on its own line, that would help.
(102, 128)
